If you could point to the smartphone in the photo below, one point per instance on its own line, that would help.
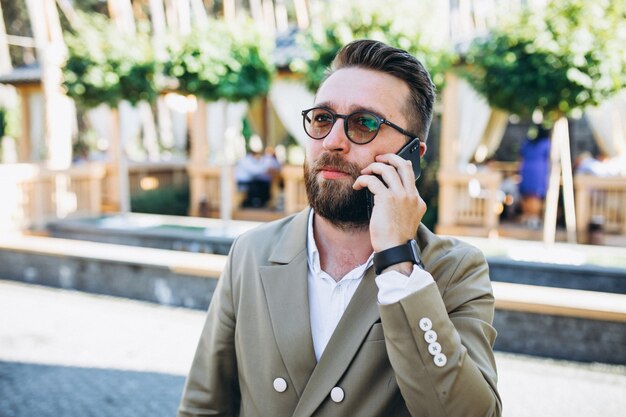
(410, 151)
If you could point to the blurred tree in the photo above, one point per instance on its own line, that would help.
(394, 24)
(555, 61)
(550, 63)
(106, 65)
(230, 61)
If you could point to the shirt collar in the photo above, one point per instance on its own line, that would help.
(313, 255)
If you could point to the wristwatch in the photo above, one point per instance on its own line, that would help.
(408, 252)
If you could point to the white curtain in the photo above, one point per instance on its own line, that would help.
(608, 124)
(480, 127)
(492, 136)
(225, 145)
(289, 98)
(100, 121)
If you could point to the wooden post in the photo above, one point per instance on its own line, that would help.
(121, 12)
(256, 10)
(5, 57)
(302, 14)
(198, 156)
(270, 16)
(449, 124)
(157, 17)
(568, 182)
(282, 23)
(50, 53)
(229, 9)
(560, 168)
(120, 186)
(448, 150)
(200, 17)
(552, 196)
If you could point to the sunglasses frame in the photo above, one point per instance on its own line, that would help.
(381, 121)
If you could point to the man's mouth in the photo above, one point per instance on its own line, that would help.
(329, 173)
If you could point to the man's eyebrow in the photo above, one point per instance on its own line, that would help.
(353, 108)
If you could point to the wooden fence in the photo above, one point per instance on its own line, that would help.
(33, 194)
(601, 201)
(469, 203)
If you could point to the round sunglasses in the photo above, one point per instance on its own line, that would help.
(361, 126)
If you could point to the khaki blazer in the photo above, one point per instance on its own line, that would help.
(255, 355)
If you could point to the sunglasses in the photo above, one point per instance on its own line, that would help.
(361, 127)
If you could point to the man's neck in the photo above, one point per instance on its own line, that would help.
(340, 250)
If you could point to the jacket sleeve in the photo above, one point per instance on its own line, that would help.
(454, 375)
(212, 387)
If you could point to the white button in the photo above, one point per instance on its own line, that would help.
(337, 395)
(430, 336)
(440, 360)
(280, 385)
(426, 324)
(434, 348)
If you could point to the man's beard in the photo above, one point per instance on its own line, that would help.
(336, 200)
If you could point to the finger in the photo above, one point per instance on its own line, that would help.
(404, 168)
(388, 173)
(370, 182)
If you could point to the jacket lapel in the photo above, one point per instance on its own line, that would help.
(361, 314)
(286, 292)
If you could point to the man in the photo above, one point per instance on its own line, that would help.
(329, 313)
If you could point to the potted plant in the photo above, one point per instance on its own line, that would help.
(105, 65)
(393, 24)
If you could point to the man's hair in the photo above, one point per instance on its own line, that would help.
(377, 56)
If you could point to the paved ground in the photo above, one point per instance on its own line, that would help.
(70, 354)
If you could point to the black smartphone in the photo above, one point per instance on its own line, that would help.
(410, 151)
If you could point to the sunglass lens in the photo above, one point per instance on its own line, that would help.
(362, 127)
(318, 123)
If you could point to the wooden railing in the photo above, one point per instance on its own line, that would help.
(295, 192)
(33, 194)
(600, 200)
(468, 203)
(206, 194)
(206, 189)
(144, 176)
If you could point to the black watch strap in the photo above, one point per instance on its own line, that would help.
(398, 254)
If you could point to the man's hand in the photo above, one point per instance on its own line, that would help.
(398, 207)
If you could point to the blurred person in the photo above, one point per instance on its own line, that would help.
(534, 171)
(253, 176)
(336, 311)
(600, 166)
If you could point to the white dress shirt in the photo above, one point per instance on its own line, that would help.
(328, 299)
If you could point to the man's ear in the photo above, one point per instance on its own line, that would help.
(423, 148)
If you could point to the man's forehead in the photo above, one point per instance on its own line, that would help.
(354, 88)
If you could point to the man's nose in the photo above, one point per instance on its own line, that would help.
(337, 140)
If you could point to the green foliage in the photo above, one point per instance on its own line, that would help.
(231, 60)
(393, 24)
(556, 61)
(3, 122)
(172, 200)
(106, 65)
(10, 122)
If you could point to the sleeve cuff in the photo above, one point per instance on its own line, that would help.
(394, 286)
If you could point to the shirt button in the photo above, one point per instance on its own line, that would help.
(434, 348)
(430, 336)
(440, 360)
(337, 394)
(280, 385)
